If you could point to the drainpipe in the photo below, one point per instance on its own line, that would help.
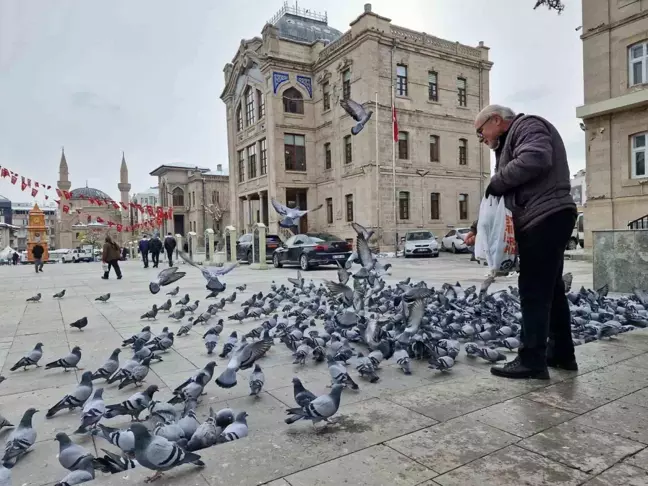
(481, 145)
(204, 215)
(610, 116)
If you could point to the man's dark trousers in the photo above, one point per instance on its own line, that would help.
(145, 258)
(155, 258)
(170, 257)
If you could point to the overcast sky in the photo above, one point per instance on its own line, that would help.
(144, 76)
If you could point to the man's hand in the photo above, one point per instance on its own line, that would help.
(491, 192)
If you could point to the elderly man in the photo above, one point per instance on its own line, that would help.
(532, 175)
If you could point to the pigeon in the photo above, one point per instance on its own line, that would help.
(150, 314)
(241, 288)
(192, 307)
(70, 454)
(366, 368)
(35, 298)
(163, 344)
(103, 298)
(321, 408)
(184, 300)
(76, 399)
(174, 292)
(133, 405)
(4, 423)
(339, 374)
(93, 411)
(59, 295)
(192, 390)
(211, 340)
(206, 435)
(159, 454)
(402, 359)
(31, 359)
(290, 216)
(357, 112)
(257, 379)
(172, 432)
(20, 440)
(70, 361)
(137, 375)
(207, 371)
(112, 463)
(109, 367)
(242, 358)
(83, 473)
(177, 315)
(236, 430)
(189, 423)
(165, 277)
(211, 274)
(302, 396)
(80, 324)
(144, 335)
(166, 307)
(123, 439)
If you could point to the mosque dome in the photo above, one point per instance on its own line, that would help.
(88, 192)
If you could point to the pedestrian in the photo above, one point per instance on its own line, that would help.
(155, 247)
(15, 257)
(470, 241)
(110, 256)
(532, 174)
(144, 250)
(169, 247)
(37, 253)
(185, 247)
(124, 252)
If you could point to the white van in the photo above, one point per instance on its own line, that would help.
(76, 256)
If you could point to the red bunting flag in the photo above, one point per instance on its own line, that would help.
(124, 206)
(28, 182)
(34, 192)
(100, 220)
(115, 205)
(119, 228)
(35, 184)
(23, 185)
(14, 179)
(66, 208)
(59, 193)
(67, 195)
(4, 172)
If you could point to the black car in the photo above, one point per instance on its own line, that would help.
(244, 247)
(311, 250)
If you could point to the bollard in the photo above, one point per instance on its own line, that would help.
(191, 243)
(230, 243)
(209, 245)
(259, 247)
(178, 238)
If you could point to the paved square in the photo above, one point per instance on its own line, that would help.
(464, 427)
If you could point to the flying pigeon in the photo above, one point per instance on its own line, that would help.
(31, 359)
(242, 358)
(357, 112)
(290, 216)
(70, 361)
(165, 277)
(211, 274)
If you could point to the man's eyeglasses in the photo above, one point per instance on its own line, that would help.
(480, 130)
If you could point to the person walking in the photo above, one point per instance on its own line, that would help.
(169, 247)
(110, 256)
(532, 174)
(37, 253)
(155, 246)
(144, 250)
(15, 257)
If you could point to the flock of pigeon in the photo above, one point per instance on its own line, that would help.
(358, 322)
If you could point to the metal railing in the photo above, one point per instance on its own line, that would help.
(300, 12)
(639, 223)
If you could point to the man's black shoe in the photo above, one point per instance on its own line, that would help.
(516, 370)
(563, 364)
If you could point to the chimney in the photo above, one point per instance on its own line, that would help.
(219, 168)
(367, 7)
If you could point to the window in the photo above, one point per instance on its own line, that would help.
(193, 198)
(433, 87)
(403, 152)
(461, 92)
(326, 96)
(349, 207)
(403, 205)
(435, 212)
(638, 57)
(329, 210)
(401, 80)
(214, 197)
(264, 158)
(463, 207)
(346, 84)
(463, 151)
(348, 150)
(260, 103)
(241, 166)
(639, 155)
(434, 148)
(178, 197)
(249, 106)
(293, 101)
(327, 156)
(251, 158)
(295, 152)
(239, 119)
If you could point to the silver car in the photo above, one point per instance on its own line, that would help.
(420, 243)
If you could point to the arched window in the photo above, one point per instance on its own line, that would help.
(249, 106)
(178, 197)
(239, 119)
(293, 101)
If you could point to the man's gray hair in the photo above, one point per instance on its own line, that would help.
(504, 112)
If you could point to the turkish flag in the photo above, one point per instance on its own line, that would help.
(395, 123)
(34, 192)
(119, 228)
(124, 206)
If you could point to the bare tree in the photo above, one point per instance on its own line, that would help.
(216, 212)
(556, 5)
(91, 237)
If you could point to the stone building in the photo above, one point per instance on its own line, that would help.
(151, 197)
(20, 212)
(289, 138)
(615, 69)
(199, 197)
(579, 188)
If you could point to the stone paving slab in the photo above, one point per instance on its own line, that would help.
(465, 427)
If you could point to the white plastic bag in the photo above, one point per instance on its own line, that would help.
(495, 240)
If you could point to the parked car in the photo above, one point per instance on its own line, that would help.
(311, 250)
(454, 240)
(420, 243)
(578, 234)
(76, 256)
(244, 247)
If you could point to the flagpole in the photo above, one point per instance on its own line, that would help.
(394, 167)
(377, 171)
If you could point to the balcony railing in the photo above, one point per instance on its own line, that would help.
(639, 223)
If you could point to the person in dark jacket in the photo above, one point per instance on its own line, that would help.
(169, 246)
(15, 257)
(110, 256)
(37, 253)
(144, 250)
(155, 247)
(532, 175)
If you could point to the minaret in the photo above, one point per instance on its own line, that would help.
(63, 183)
(123, 186)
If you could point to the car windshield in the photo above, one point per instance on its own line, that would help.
(272, 239)
(463, 231)
(419, 236)
(321, 237)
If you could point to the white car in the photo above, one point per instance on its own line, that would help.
(420, 243)
(76, 256)
(454, 240)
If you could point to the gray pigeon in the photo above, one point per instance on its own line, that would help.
(159, 454)
(357, 112)
(152, 314)
(206, 435)
(109, 367)
(31, 359)
(174, 292)
(75, 399)
(257, 379)
(70, 454)
(192, 390)
(124, 439)
(236, 430)
(137, 375)
(70, 361)
(166, 307)
(339, 374)
(133, 405)
(82, 474)
(189, 423)
(59, 295)
(103, 298)
(165, 277)
(208, 370)
(93, 411)
(302, 396)
(143, 335)
(242, 358)
(402, 358)
(290, 216)
(172, 432)
(20, 440)
(35, 298)
(322, 408)
(211, 274)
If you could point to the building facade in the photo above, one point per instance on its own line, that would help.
(150, 197)
(579, 188)
(20, 217)
(615, 69)
(289, 138)
(200, 199)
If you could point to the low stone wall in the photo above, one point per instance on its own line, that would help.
(620, 259)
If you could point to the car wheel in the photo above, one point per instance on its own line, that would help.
(454, 248)
(572, 244)
(435, 255)
(249, 257)
(275, 261)
(303, 263)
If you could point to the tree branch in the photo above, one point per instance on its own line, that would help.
(556, 5)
